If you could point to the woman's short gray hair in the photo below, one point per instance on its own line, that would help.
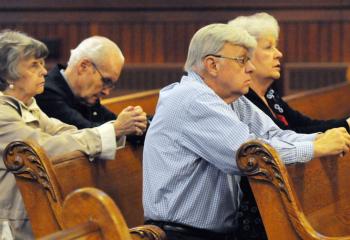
(14, 46)
(211, 39)
(257, 24)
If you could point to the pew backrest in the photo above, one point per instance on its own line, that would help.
(89, 213)
(324, 103)
(147, 100)
(45, 183)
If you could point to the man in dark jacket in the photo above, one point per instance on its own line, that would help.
(72, 93)
(59, 101)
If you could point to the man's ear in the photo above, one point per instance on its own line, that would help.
(83, 65)
(211, 65)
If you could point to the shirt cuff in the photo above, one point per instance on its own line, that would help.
(303, 152)
(312, 136)
(108, 141)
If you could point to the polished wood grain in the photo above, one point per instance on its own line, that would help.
(89, 213)
(326, 103)
(45, 183)
(146, 99)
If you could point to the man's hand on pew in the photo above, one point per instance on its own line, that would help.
(132, 120)
(333, 142)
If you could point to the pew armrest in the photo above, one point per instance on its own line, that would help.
(150, 232)
(45, 182)
(274, 192)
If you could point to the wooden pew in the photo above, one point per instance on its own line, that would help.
(89, 213)
(299, 201)
(324, 103)
(302, 201)
(147, 100)
(44, 183)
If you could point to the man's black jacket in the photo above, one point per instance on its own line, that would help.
(58, 101)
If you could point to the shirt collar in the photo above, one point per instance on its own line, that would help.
(65, 78)
(19, 105)
(195, 76)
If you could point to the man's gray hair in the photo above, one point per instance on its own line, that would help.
(14, 46)
(257, 24)
(211, 39)
(95, 49)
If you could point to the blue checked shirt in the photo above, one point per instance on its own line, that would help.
(189, 166)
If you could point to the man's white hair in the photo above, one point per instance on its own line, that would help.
(94, 48)
(257, 24)
(211, 39)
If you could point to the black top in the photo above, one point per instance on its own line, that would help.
(287, 118)
(58, 101)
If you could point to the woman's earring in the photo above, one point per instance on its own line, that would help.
(11, 86)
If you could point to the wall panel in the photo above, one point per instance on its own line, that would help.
(158, 32)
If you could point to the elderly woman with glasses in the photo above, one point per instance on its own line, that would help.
(22, 71)
(266, 59)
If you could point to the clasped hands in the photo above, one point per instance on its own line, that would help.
(131, 121)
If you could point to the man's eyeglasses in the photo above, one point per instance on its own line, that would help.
(241, 60)
(107, 83)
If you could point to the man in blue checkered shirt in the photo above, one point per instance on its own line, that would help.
(190, 175)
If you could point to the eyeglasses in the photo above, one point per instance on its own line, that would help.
(107, 83)
(241, 60)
